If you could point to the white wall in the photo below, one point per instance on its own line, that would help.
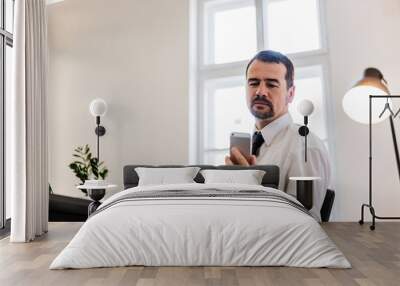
(363, 33)
(133, 54)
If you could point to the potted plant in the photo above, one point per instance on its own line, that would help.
(85, 166)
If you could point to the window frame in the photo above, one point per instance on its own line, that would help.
(204, 71)
(6, 39)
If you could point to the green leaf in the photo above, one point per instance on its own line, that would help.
(103, 173)
(86, 165)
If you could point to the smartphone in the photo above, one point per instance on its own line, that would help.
(242, 141)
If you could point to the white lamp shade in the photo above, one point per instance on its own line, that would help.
(305, 107)
(356, 104)
(98, 107)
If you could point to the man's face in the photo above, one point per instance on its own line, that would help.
(267, 93)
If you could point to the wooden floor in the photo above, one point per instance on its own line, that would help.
(375, 257)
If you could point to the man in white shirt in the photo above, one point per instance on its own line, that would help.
(276, 140)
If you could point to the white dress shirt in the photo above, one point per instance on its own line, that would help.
(284, 147)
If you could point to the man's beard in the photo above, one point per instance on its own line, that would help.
(262, 114)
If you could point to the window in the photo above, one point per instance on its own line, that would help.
(301, 34)
(226, 38)
(219, 120)
(6, 43)
(229, 33)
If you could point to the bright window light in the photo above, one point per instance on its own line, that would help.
(292, 25)
(233, 35)
(226, 111)
(8, 83)
(9, 5)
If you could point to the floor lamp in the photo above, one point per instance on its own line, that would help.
(369, 102)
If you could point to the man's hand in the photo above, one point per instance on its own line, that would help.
(237, 158)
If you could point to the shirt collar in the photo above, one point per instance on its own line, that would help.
(272, 129)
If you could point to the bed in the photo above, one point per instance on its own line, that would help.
(198, 224)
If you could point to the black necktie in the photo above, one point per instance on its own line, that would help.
(258, 140)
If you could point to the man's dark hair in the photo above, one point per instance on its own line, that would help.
(278, 58)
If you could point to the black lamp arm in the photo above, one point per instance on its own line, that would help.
(303, 131)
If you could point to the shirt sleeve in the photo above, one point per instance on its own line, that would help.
(317, 165)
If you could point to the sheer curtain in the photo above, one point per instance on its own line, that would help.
(28, 123)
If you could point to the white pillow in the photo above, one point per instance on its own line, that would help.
(162, 176)
(248, 177)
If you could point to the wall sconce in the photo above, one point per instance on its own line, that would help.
(305, 108)
(98, 108)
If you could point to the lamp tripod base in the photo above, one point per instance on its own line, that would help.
(374, 216)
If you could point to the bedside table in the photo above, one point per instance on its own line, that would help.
(304, 190)
(96, 193)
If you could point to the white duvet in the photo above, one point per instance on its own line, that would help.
(200, 231)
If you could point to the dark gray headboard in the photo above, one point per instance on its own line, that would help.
(271, 177)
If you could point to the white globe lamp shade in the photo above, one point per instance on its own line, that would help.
(356, 104)
(98, 107)
(305, 107)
